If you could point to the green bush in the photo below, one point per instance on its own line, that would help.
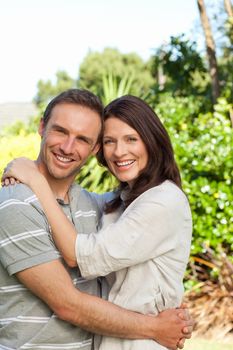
(203, 146)
(18, 145)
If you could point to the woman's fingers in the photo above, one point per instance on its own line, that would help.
(9, 181)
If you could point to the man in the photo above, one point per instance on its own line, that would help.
(44, 304)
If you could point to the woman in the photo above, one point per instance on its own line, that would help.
(146, 229)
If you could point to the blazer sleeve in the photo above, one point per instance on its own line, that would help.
(145, 231)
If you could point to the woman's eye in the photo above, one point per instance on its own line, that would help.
(132, 139)
(107, 142)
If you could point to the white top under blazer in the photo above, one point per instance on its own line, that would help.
(147, 247)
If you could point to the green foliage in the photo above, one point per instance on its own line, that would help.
(13, 129)
(226, 77)
(20, 145)
(96, 178)
(20, 128)
(47, 90)
(203, 146)
(111, 61)
(180, 67)
(112, 88)
(229, 30)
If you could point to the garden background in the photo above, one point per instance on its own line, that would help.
(192, 93)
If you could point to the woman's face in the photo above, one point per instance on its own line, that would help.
(124, 150)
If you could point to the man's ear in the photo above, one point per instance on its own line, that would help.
(41, 128)
(95, 149)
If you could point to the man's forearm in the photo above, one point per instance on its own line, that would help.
(102, 317)
(51, 283)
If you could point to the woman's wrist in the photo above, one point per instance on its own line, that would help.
(37, 182)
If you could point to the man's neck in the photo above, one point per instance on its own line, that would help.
(59, 187)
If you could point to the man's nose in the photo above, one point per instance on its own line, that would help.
(68, 145)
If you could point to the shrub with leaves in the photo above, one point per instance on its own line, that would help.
(20, 145)
(203, 146)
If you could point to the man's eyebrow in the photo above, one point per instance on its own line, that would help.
(58, 127)
(85, 138)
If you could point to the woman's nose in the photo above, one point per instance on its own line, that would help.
(120, 149)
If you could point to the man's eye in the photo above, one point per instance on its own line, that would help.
(83, 139)
(59, 131)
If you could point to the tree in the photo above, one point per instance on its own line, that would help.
(96, 65)
(228, 8)
(47, 90)
(222, 28)
(179, 68)
(228, 51)
(211, 51)
(229, 22)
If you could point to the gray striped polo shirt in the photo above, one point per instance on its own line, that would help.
(26, 322)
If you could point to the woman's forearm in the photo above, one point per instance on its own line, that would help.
(26, 171)
(63, 231)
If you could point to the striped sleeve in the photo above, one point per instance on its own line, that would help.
(24, 235)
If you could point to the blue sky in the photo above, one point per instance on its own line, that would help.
(40, 37)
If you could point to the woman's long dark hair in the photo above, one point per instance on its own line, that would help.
(161, 164)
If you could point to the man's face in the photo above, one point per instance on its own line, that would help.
(68, 139)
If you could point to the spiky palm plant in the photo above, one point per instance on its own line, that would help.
(113, 87)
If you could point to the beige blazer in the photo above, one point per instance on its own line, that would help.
(148, 248)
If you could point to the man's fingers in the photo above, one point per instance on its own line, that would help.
(184, 306)
(184, 314)
(180, 344)
(187, 330)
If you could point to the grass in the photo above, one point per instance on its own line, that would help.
(202, 344)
